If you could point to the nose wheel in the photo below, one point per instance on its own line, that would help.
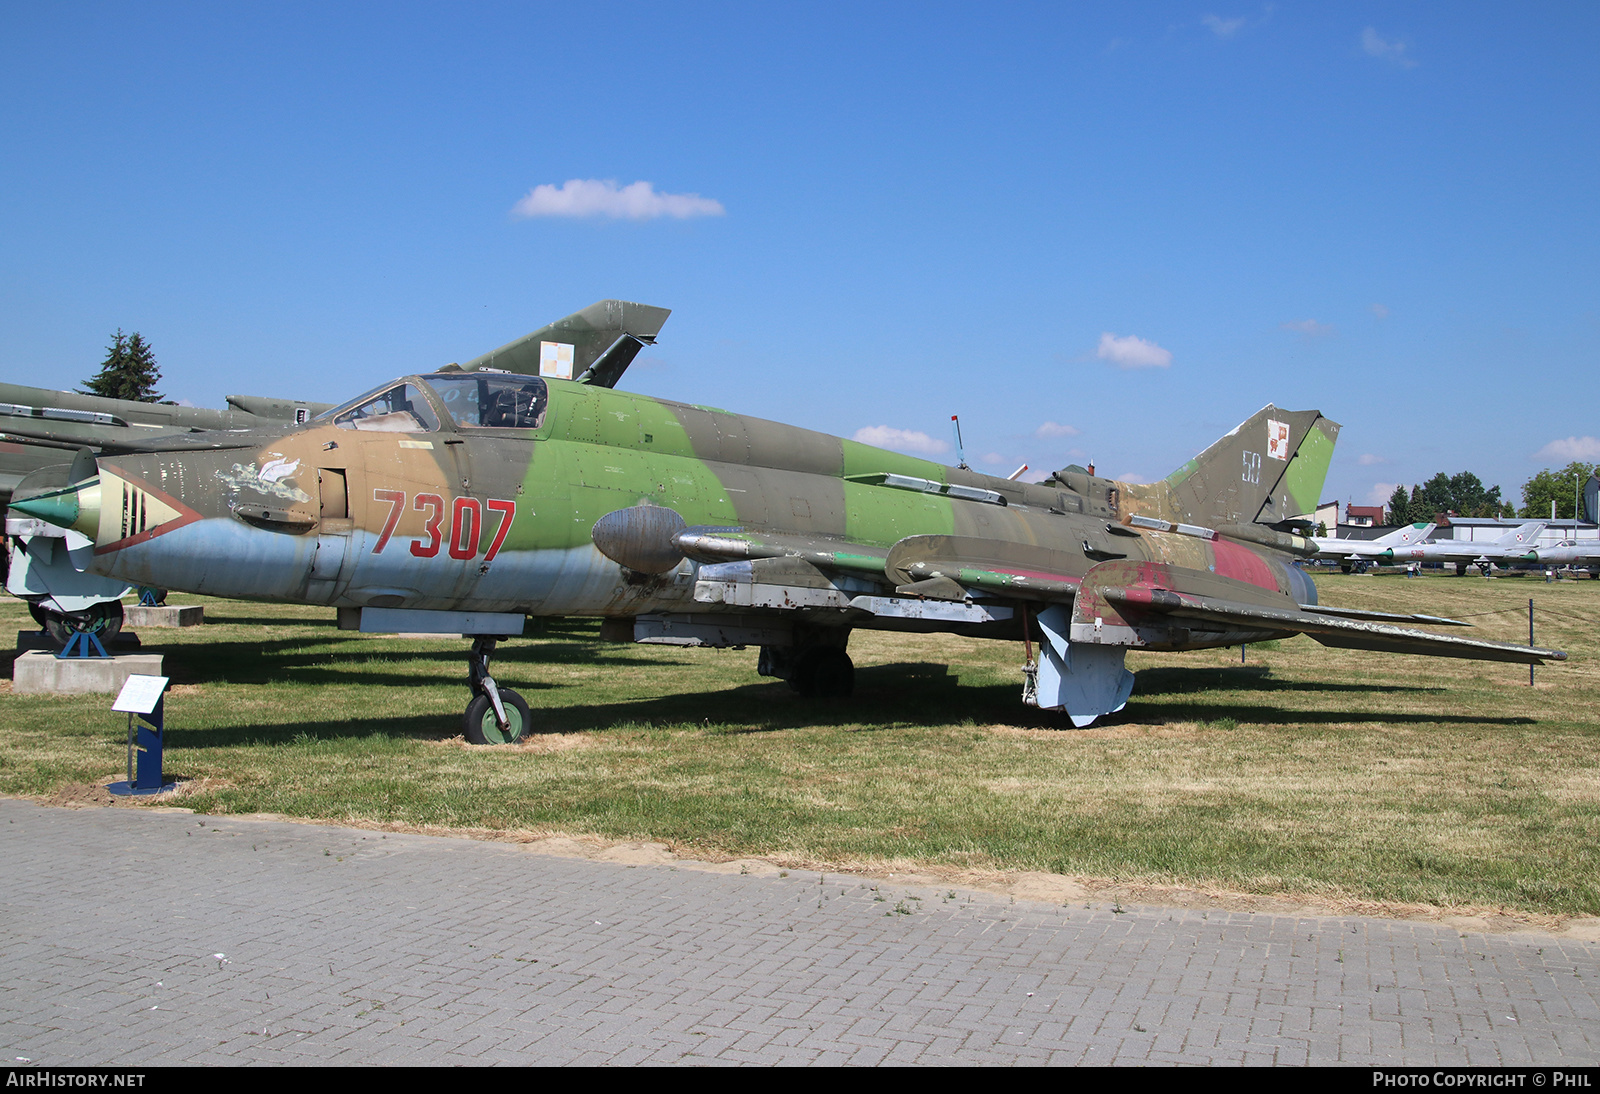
(483, 726)
(496, 715)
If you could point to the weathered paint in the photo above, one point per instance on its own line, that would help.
(1309, 469)
(1239, 562)
(503, 492)
(391, 502)
(501, 519)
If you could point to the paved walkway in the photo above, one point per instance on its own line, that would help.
(136, 938)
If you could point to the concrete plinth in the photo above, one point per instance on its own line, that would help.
(173, 615)
(45, 674)
(27, 641)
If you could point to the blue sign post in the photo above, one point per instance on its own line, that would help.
(142, 698)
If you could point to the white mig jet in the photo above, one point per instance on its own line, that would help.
(1360, 553)
(1584, 554)
(1515, 546)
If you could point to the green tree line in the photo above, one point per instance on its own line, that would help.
(1465, 495)
(1561, 487)
(1462, 493)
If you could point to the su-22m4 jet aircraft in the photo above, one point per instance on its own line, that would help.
(461, 500)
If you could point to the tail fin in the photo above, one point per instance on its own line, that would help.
(1266, 470)
(1522, 536)
(593, 346)
(1405, 537)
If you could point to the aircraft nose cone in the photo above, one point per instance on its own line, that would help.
(76, 507)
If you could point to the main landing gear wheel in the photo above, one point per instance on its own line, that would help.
(103, 620)
(482, 728)
(825, 672)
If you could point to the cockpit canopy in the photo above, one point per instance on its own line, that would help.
(473, 400)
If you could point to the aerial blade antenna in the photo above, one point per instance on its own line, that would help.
(961, 456)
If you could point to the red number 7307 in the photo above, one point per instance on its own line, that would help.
(466, 524)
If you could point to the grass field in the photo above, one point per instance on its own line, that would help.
(1309, 773)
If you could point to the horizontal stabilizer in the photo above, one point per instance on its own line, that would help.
(1343, 633)
(1145, 604)
(1385, 617)
(1398, 640)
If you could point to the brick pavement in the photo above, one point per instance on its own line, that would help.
(136, 938)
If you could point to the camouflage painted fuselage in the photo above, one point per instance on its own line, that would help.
(501, 519)
(457, 501)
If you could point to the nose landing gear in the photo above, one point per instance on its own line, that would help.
(496, 715)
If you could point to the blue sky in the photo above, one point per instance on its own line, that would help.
(1102, 232)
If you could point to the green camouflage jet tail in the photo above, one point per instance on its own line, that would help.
(593, 346)
(1268, 470)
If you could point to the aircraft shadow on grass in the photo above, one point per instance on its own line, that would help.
(907, 695)
(1177, 681)
(302, 660)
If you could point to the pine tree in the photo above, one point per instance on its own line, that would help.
(129, 371)
(1399, 507)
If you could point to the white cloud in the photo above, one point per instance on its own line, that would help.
(1310, 328)
(1380, 311)
(603, 198)
(1223, 28)
(901, 440)
(1131, 352)
(1570, 449)
(1369, 460)
(1056, 429)
(1380, 493)
(1131, 476)
(991, 457)
(1394, 52)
